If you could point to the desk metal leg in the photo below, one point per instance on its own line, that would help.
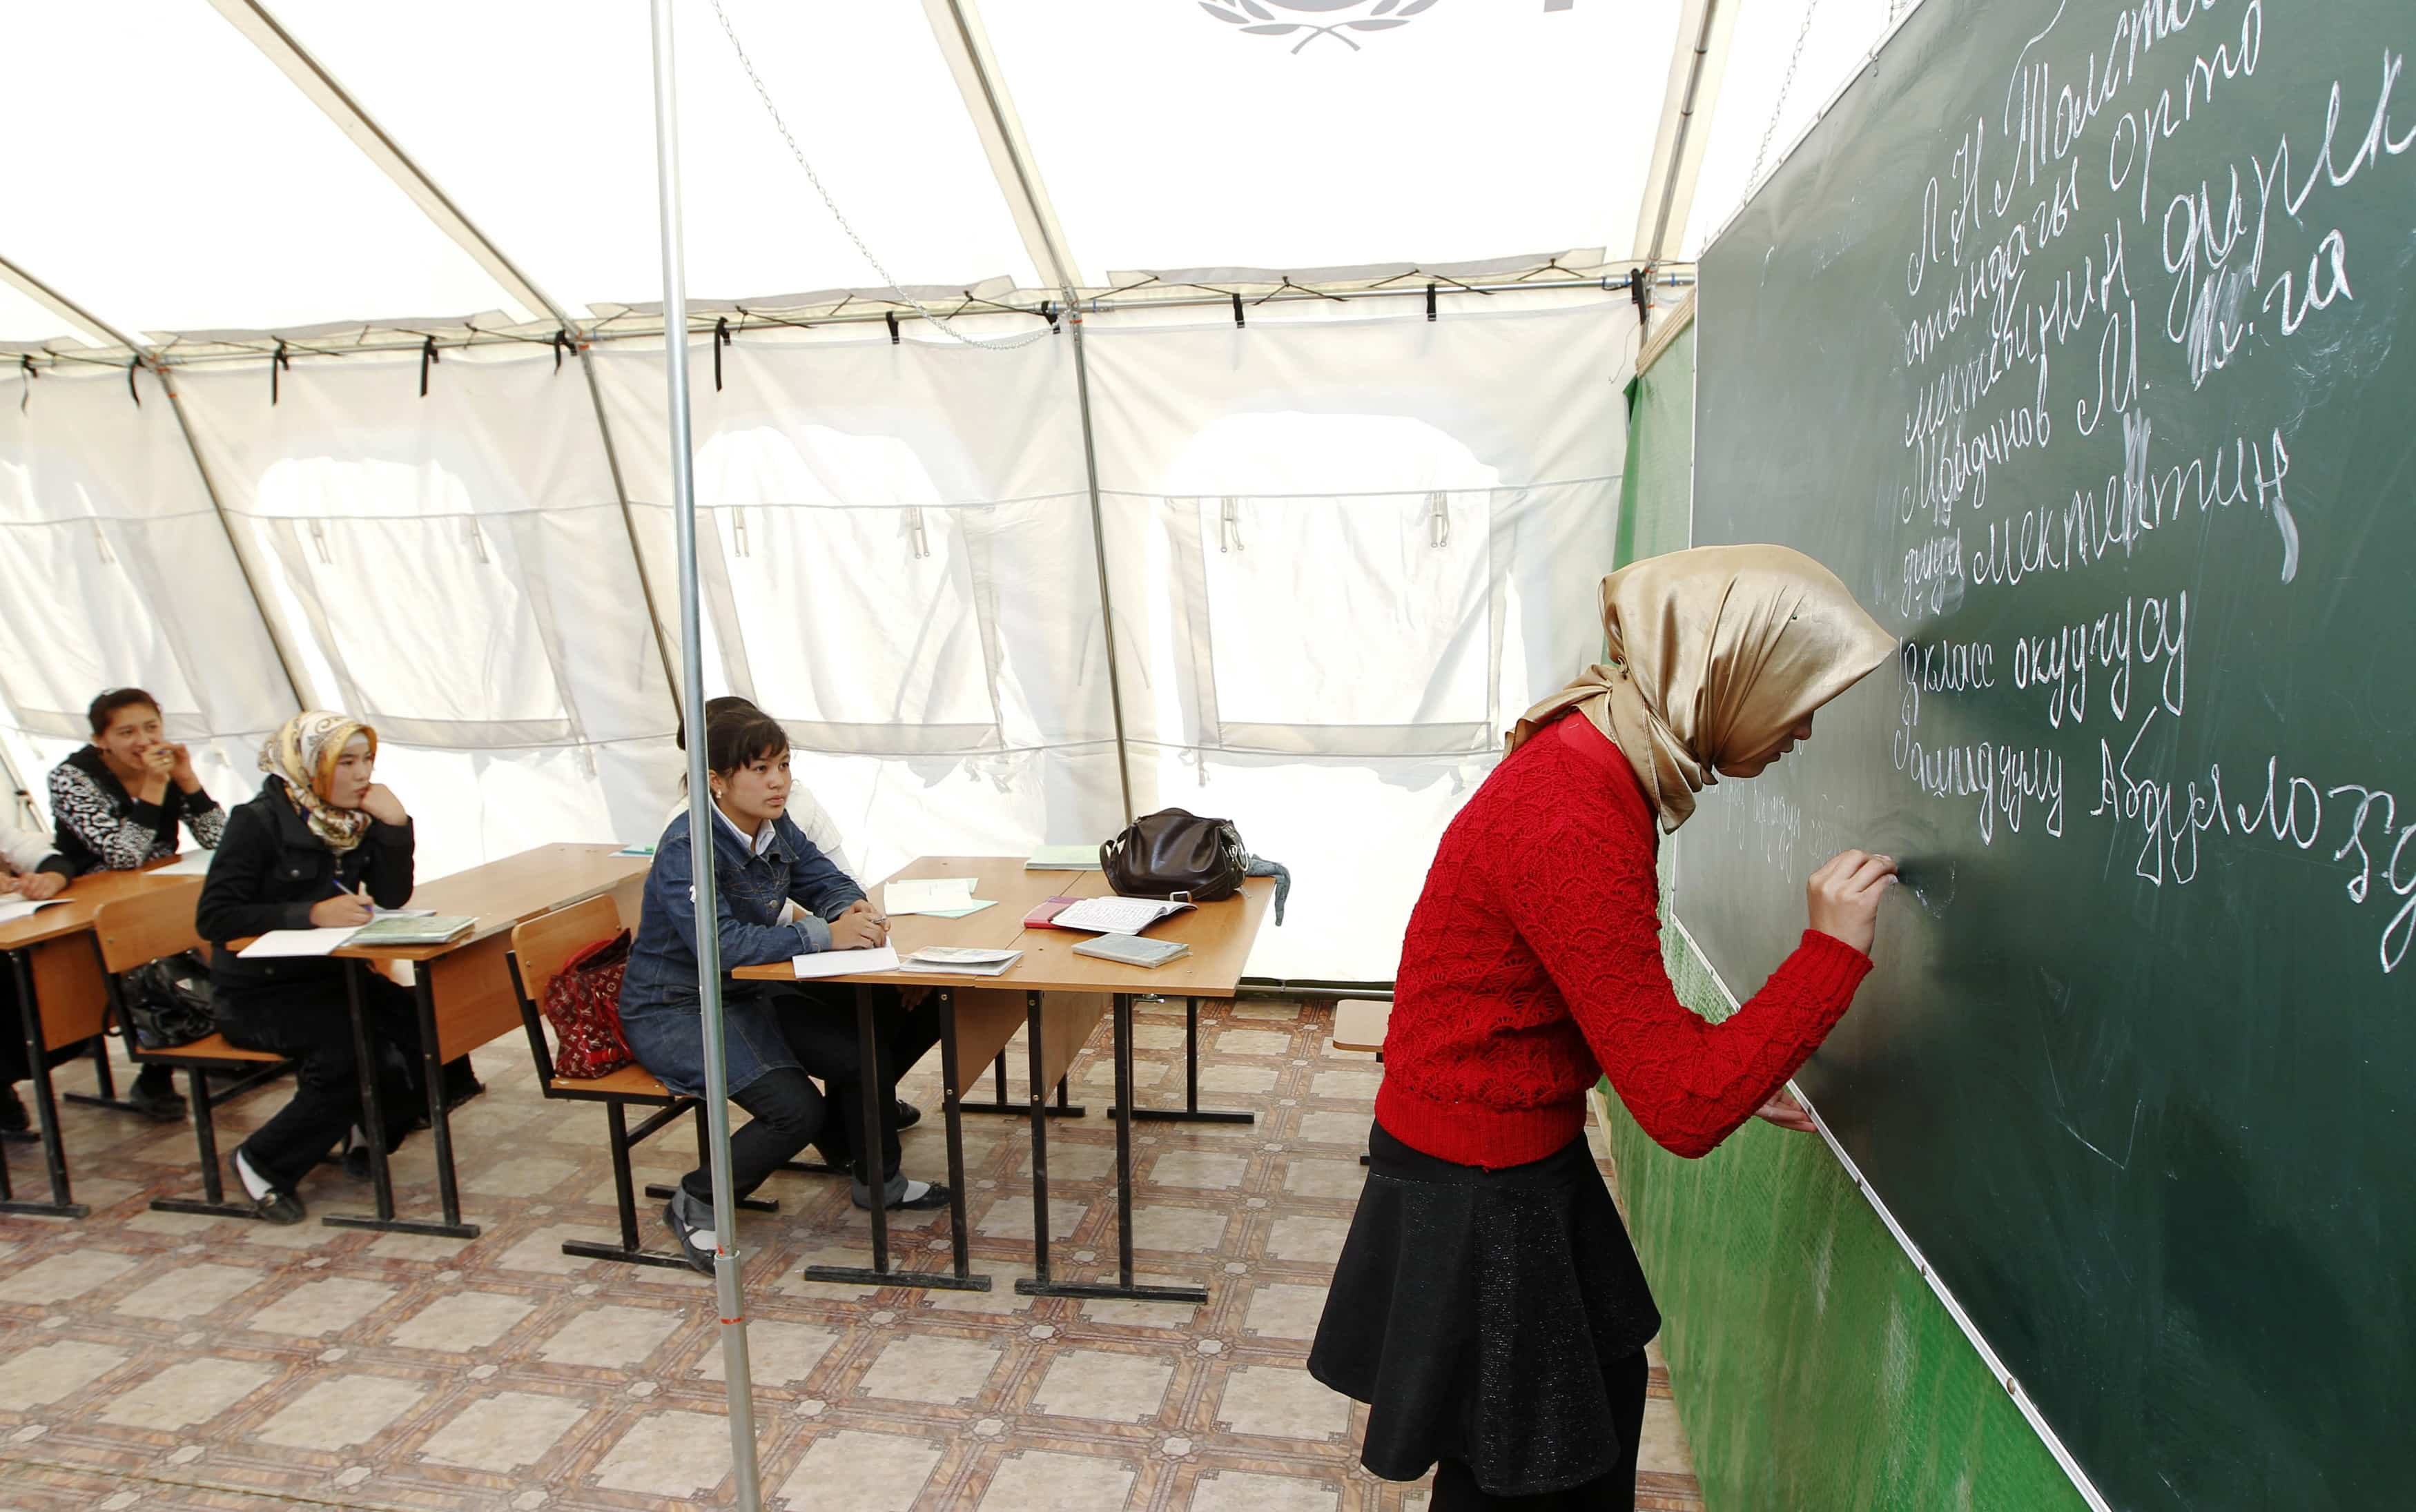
(1039, 1115)
(1191, 1113)
(373, 1116)
(1124, 1286)
(872, 1093)
(104, 1081)
(205, 1143)
(998, 1103)
(46, 1108)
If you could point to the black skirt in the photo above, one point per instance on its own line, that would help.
(1490, 1317)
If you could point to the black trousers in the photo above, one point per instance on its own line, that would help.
(826, 1042)
(308, 1023)
(1455, 1484)
(788, 1111)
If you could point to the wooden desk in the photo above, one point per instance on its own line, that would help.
(463, 990)
(63, 998)
(1220, 936)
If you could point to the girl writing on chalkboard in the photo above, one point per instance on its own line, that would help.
(1488, 1305)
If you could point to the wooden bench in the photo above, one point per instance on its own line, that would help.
(136, 931)
(540, 948)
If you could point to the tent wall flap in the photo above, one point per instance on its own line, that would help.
(1344, 550)
(456, 567)
(117, 571)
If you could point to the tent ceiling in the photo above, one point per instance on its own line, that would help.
(160, 206)
(1166, 134)
(571, 196)
(1173, 139)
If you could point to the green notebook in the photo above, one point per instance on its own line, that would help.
(410, 929)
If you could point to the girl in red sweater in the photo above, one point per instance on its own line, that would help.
(1488, 1305)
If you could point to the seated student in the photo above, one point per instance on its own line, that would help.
(31, 868)
(118, 803)
(822, 833)
(772, 1035)
(318, 846)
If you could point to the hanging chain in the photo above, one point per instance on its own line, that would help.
(946, 323)
(1778, 107)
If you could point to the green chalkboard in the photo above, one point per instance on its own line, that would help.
(2077, 337)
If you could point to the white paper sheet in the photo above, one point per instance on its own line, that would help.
(844, 963)
(929, 894)
(12, 909)
(278, 942)
(192, 864)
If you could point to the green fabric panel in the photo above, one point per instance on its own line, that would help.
(1655, 510)
(1623, 545)
(1813, 1368)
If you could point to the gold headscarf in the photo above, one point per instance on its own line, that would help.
(303, 753)
(1716, 653)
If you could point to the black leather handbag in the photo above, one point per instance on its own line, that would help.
(1171, 852)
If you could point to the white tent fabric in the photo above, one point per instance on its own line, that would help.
(1343, 542)
(116, 570)
(1343, 552)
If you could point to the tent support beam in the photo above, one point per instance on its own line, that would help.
(1100, 556)
(630, 524)
(280, 46)
(1695, 69)
(265, 32)
(101, 329)
(966, 46)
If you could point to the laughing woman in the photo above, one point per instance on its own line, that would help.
(1488, 1305)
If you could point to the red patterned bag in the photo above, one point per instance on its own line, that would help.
(583, 1005)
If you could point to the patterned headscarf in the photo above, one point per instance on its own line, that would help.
(1716, 653)
(304, 753)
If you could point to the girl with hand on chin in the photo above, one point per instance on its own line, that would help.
(118, 803)
(322, 844)
(772, 1034)
(1487, 1304)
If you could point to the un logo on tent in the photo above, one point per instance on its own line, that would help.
(1337, 19)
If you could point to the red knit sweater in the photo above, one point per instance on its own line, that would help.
(1532, 964)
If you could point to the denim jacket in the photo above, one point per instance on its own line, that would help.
(658, 994)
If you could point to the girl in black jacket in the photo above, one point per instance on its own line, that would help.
(321, 844)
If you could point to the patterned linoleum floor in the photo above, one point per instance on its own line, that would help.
(157, 1361)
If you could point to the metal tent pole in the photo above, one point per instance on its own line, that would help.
(1099, 549)
(739, 1382)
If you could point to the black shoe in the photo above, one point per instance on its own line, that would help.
(356, 1162)
(461, 1087)
(279, 1207)
(934, 1195)
(907, 1114)
(699, 1258)
(161, 1105)
(14, 1119)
